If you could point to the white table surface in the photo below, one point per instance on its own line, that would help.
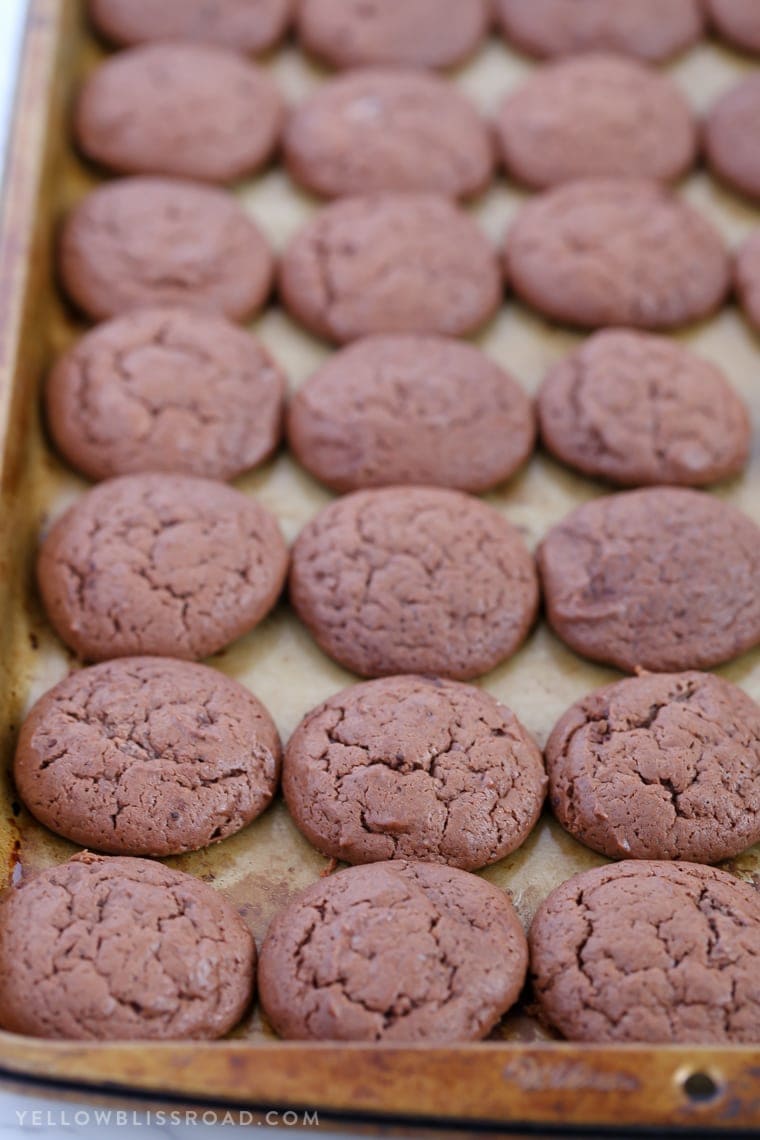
(28, 1115)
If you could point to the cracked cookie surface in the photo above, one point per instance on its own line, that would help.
(737, 21)
(414, 768)
(414, 580)
(663, 579)
(121, 949)
(415, 33)
(147, 756)
(146, 241)
(596, 116)
(166, 390)
(245, 25)
(647, 29)
(607, 251)
(165, 565)
(397, 951)
(661, 766)
(390, 263)
(635, 408)
(649, 951)
(732, 145)
(411, 409)
(378, 129)
(184, 110)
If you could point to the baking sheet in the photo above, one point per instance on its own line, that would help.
(262, 866)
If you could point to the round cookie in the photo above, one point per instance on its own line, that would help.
(732, 143)
(660, 766)
(637, 409)
(245, 25)
(164, 565)
(390, 263)
(737, 21)
(414, 580)
(596, 116)
(121, 949)
(662, 579)
(411, 409)
(612, 252)
(375, 130)
(158, 241)
(414, 768)
(647, 29)
(397, 952)
(649, 952)
(165, 390)
(147, 756)
(413, 33)
(188, 110)
(747, 278)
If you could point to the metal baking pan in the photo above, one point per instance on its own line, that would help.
(520, 1076)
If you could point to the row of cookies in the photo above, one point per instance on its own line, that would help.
(184, 110)
(589, 253)
(154, 756)
(433, 33)
(178, 391)
(120, 948)
(662, 578)
(653, 766)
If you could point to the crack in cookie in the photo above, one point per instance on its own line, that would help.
(396, 951)
(160, 564)
(661, 766)
(416, 768)
(650, 952)
(390, 263)
(414, 580)
(147, 756)
(166, 390)
(662, 579)
(121, 948)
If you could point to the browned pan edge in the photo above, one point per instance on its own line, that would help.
(558, 1084)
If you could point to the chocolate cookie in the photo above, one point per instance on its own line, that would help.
(245, 25)
(414, 580)
(390, 263)
(656, 952)
(596, 116)
(414, 768)
(156, 241)
(397, 952)
(614, 252)
(416, 33)
(411, 409)
(737, 21)
(181, 109)
(662, 579)
(375, 130)
(121, 949)
(160, 564)
(166, 390)
(147, 756)
(661, 766)
(636, 408)
(747, 278)
(647, 29)
(732, 140)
